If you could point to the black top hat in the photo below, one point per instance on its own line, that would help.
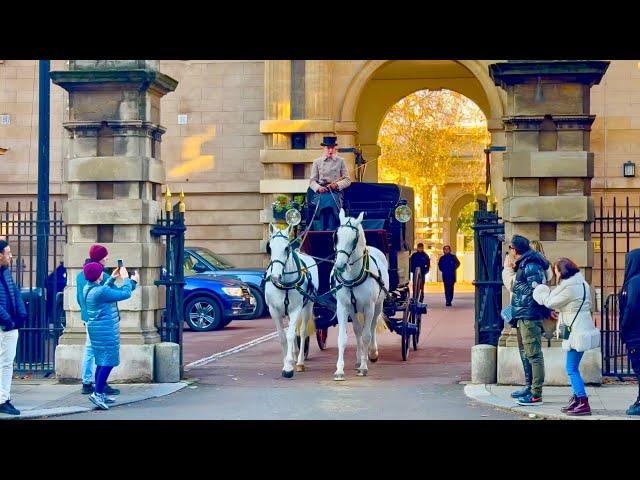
(329, 141)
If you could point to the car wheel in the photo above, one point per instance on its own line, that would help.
(203, 314)
(260, 304)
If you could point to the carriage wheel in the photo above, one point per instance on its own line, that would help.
(321, 336)
(404, 330)
(417, 317)
(306, 346)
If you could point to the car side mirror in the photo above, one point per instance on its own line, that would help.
(200, 268)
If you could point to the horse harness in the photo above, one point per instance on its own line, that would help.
(338, 281)
(304, 275)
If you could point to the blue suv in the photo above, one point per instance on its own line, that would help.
(211, 303)
(198, 260)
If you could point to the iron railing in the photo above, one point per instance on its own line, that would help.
(615, 231)
(39, 336)
(171, 226)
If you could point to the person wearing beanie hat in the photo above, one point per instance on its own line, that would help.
(103, 322)
(97, 253)
(528, 270)
(12, 316)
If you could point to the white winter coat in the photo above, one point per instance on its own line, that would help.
(566, 298)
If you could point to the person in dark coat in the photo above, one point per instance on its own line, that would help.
(419, 258)
(530, 269)
(103, 323)
(630, 317)
(448, 264)
(12, 317)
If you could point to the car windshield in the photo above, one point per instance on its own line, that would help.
(216, 260)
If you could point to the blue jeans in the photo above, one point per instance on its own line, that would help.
(88, 364)
(573, 372)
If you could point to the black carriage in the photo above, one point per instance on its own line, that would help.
(383, 230)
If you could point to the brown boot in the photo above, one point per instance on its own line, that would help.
(572, 403)
(581, 408)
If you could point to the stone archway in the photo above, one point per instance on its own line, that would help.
(379, 84)
(452, 211)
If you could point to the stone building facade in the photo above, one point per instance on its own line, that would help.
(234, 148)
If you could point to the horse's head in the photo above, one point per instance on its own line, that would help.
(349, 240)
(279, 249)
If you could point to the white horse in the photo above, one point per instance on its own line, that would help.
(358, 274)
(291, 280)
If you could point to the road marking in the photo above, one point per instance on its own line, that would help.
(231, 351)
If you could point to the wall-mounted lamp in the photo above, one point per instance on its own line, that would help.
(629, 169)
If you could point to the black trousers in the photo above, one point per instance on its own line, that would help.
(634, 358)
(448, 291)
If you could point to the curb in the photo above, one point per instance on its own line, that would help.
(163, 390)
(481, 393)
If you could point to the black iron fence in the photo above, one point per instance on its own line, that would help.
(615, 231)
(171, 226)
(488, 237)
(39, 336)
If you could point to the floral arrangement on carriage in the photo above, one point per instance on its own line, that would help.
(284, 204)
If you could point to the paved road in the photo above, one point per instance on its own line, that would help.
(248, 385)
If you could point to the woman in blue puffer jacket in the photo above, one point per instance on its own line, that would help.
(103, 322)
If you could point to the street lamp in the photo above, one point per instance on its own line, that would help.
(487, 152)
(629, 169)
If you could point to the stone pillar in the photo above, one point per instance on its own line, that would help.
(547, 166)
(317, 97)
(114, 174)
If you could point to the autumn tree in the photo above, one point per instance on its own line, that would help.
(431, 138)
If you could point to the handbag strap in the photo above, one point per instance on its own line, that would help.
(584, 296)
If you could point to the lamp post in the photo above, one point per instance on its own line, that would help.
(487, 152)
(42, 240)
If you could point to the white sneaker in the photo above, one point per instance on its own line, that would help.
(99, 401)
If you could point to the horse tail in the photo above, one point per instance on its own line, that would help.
(311, 325)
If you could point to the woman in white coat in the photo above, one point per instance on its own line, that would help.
(572, 299)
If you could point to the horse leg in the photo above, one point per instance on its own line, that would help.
(357, 329)
(343, 315)
(366, 340)
(280, 329)
(373, 346)
(304, 318)
(287, 369)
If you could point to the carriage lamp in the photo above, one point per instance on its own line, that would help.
(293, 217)
(629, 169)
(402, 213)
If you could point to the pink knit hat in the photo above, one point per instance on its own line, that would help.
(92, 271)
(97, 252)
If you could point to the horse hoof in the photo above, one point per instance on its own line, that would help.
(362, 373)
(373, 359)
(286, 374)
(339, 377)
(300, 368)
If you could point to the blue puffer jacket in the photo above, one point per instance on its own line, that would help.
(80, 284)
(530, 267)
(12, 310)
(103, 318)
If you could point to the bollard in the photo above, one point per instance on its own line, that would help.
(167, 362)
(484, 364)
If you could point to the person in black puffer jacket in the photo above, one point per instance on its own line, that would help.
(630, 317)
(530, 267)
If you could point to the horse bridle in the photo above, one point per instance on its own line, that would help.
(287, 251)
(354, 243)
